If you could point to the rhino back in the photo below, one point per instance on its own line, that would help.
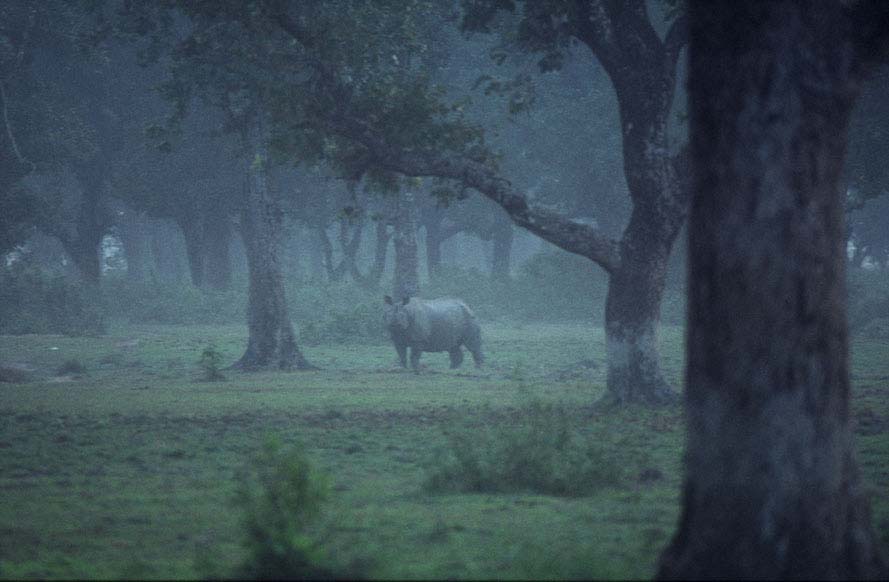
(439, 324)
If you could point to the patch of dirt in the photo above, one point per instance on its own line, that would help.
(16, 373)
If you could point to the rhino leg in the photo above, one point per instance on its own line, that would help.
(456, 357)
(402, 354)
(415, 359)
(473, 343)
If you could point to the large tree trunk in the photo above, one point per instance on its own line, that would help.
(632, 313)
(217, 248)
(83, 244)
(771, 490)
(407, 269)
(272, 342)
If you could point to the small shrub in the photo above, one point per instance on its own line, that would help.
(211, 363)
(71, 368)
(281, 495)
(536, 452)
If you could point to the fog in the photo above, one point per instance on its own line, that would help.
(390, 289)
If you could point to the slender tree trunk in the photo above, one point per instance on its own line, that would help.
(381, 249)
(134, 236)
(351, 231)
(166, 246)
(272, 342)
(316, 256)
(433, 244)
(334, 272)
(502, 237)
(217, 247)
(772, 489)
(407, 278)
(194, 248)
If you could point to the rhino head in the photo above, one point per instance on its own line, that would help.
(395, 315)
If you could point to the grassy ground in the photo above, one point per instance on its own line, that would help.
(129, 470)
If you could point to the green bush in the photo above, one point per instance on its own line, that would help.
(71, 367)
(536, 451)
(35, 302)
(281, 496)
(211, 363)
(338, 313)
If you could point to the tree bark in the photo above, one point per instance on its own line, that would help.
(272, 342)
(771, 489)
(217, 249)
(407, 277)
(194, 247)
(632, 315)
(83, 243)
(381, 249)
(432, 226)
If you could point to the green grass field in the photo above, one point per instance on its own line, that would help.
(130, 470)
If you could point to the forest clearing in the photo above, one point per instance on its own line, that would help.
(444, 289)
(129, 469)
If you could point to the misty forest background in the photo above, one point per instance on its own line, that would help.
(202, 205)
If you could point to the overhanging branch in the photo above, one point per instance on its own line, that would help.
(573, 236)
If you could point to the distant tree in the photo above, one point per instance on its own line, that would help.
(41, 130)
(772, 489)
(867, 173)
(407, 266)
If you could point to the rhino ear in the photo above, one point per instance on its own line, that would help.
(405, 300)
(388, 300)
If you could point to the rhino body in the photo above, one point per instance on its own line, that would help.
(434, 325)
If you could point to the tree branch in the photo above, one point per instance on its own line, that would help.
(573, 236)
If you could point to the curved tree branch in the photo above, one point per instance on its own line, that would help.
(571, 235)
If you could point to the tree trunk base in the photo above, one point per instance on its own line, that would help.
(662, 394)
(252, 363)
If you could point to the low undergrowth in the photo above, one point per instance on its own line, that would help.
(536, 451)
(281, 494)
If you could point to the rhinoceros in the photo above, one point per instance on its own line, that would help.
(433, 325)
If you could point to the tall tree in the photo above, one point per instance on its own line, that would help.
(272, 341)
(772, 490)
(642, 67)
(407, 268)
